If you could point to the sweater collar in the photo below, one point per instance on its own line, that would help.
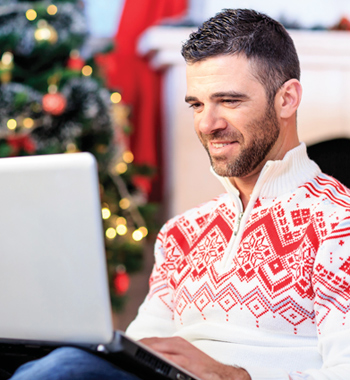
(280, 176)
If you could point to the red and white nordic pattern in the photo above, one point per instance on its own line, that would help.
(292, 262)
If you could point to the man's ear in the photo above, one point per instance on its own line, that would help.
(288, 98)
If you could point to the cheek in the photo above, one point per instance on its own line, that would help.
(238, 117)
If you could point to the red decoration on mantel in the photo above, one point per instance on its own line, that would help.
(344, 24)
(54, 104)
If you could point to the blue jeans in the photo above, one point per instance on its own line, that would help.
(69, 363)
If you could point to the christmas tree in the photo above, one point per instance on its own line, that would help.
(53, 100)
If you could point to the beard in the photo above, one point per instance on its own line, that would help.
(263, 133)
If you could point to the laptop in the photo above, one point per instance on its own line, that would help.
(53, 274)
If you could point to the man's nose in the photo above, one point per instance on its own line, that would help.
(210, 122)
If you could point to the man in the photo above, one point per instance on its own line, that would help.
(254, 284)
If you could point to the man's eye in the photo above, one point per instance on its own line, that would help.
(195, 105)
(230, 101)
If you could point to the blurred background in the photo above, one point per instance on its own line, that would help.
(107, 77)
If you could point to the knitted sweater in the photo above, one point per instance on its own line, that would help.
(267, 289)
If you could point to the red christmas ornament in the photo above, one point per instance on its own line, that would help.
(121, 281)
(75, 63)
(21, 142)
(54, 104)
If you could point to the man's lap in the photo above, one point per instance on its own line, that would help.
(68, 363)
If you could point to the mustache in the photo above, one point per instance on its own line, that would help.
(222, 135)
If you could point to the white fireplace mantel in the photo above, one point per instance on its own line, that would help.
(324, 113)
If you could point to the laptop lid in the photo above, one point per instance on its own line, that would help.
(53, 275)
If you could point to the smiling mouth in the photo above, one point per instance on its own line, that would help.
(220, 145)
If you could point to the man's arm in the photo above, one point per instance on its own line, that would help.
(155, 316)
(194, 360)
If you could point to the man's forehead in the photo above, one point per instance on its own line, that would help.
(227, 62)
(225, 70)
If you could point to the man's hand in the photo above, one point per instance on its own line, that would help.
(187, 356)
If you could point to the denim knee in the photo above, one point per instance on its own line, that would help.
(69, 363)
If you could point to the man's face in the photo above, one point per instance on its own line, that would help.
(232, 117)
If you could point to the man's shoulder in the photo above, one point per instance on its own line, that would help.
(202, 209)
(327, 197)
(326, 186)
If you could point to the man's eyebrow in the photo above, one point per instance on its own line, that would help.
(222, 94)
(191, 99)
(229, 94)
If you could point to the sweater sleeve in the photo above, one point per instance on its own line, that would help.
(155, 317)
(331, 284)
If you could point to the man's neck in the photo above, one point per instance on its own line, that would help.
(245, 186)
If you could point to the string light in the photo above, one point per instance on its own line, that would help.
(71, 148)
(121, 220)
(124, 203)
(86, 70)
(42, 34)
(128, 157)
(31, 14)
(121, 168)
(121, 229)
(6, 65)
(106, 213)
(116, 97)
(46, 32)
(52, 89)
(137, 235)
(111, 233)
(7, 58)
(51, 10)
(28, 123)
(144, 231)
(12, 124)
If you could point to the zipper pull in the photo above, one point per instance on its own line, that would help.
(238, 223)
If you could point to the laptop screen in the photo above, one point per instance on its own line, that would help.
(53, 275)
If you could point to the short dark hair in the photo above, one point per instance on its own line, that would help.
(264, 41)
